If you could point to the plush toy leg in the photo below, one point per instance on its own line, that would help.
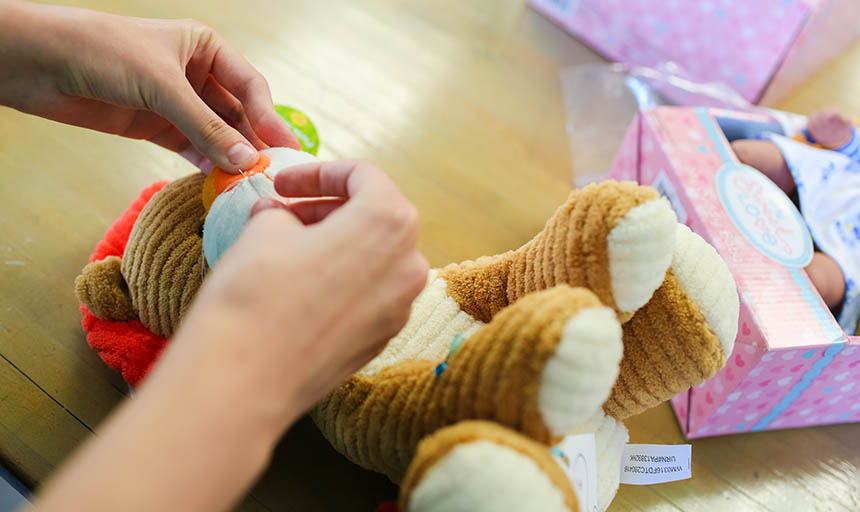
(615, 239)
(683, 335)
(477, 466)
(543, 366)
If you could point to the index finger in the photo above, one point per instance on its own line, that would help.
(241, 79)
(342, 178)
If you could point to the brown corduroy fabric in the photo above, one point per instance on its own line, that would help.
(377, 421)
(571, 249)
(434, 448)
(668, 347)
(103, 290)
(162, 263)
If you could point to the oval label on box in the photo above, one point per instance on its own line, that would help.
(764, 215)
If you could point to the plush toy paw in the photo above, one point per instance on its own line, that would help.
(480, 466)
(683, 335)
(103, 290)
(616, 239)
(228, 198)
(543, 366)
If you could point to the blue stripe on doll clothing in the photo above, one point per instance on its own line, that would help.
(851, 149)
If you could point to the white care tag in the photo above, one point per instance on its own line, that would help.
(578, 457)
(645, 464)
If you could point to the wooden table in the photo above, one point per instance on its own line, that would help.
(461, 103)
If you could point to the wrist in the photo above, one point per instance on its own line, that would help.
(174, 446)
(229, 376)
(840, 143)
(201, 413)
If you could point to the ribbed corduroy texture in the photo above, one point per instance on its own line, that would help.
(378, 420)
(434, 448)
(571, 249)
(668, 347)
(162, 263)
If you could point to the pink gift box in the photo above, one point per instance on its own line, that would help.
(761, 48)
(792, 365)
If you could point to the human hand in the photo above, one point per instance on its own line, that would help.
(829, 128)
(302, 300)
(176, 83)
(306, 297)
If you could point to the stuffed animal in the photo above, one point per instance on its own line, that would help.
(820, 167)
(162, 265)
(613, 308)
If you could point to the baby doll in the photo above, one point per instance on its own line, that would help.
(821, 168)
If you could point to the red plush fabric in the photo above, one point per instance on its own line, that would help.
(387, 506)
(127, 347)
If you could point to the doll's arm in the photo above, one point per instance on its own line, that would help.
(830, 129)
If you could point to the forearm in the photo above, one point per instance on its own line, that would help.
(44, 50)
(25, 61)
(179, 444)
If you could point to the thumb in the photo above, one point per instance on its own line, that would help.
(208, 133)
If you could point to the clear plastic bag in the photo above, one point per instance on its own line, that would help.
(602, 99)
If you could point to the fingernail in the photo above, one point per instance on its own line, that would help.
(243, 155)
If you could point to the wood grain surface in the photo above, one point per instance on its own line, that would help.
(460, 102)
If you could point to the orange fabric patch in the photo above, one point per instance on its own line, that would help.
(218, 180)
(222, 180)
(209, 193)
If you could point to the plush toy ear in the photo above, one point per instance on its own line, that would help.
(104, 291)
